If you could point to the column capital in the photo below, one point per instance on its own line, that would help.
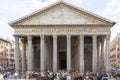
(16, 36)
(42, 36)
(81, 36)
(68, 36)
(29, 37)
(108, 37)
(23, 40)
(55, 36)
(94, 36)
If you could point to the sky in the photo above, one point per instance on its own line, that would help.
(14, 9)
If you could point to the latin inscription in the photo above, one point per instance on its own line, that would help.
(69, 30)
(51, 31)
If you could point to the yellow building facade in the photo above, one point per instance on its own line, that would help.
(115, 52)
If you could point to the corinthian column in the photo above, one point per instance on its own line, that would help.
(30, 55)
(102, 53)
(94, 58)
(99, 55)
(54, 53)
(68, 52)
(81, 53)
(42, 65)
(23, 55)
(17, 63)
(107, 53)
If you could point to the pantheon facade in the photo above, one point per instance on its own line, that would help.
(62, 36)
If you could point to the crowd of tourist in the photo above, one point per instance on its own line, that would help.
(60, 75)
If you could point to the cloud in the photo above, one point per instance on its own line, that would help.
(112, 7)
(76, 2)
(112, 11)
(13, 9)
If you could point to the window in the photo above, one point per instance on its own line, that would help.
(4, 54)
(118, 49)
(118, 56)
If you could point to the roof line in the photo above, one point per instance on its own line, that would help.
(68, 4)
(90, 13)
(4, 40)
(32, 13)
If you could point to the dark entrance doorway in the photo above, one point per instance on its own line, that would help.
(88, 53)
(62, 60)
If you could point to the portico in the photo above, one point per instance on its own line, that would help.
(62, 36)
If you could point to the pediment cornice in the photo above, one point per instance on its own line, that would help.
(35, 26)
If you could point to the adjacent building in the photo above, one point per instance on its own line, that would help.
(115, 52)
(6, 52)
(11, 55)
(62, 36)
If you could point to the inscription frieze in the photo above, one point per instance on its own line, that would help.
(67, 30)
(51, 31)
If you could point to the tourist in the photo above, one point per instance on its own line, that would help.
(1, 76)
(68, 76)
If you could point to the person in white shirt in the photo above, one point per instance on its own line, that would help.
(1, 76)
(68, 76)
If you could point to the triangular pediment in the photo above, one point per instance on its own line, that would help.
(62, 13)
